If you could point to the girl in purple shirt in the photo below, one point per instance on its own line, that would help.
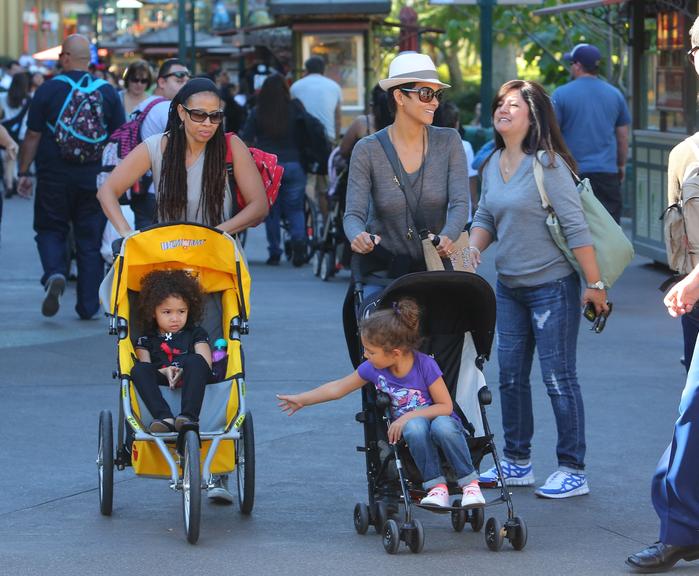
(421, 407)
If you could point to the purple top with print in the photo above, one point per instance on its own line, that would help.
(410, 392)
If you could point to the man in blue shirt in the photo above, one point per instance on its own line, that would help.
(595, 122)
(66, 192)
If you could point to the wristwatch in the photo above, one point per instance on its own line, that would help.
(599, 285)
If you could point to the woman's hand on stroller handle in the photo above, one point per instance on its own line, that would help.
(363, 243)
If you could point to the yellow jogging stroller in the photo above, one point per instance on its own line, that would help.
(223, 442)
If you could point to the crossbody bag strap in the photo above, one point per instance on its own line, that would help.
(402, 180)
(539, 178)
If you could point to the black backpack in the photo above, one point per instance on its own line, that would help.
(313, 143)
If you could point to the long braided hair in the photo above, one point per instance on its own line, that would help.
(172, 189)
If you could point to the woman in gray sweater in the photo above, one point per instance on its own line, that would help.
(432, 160)
(538, 292)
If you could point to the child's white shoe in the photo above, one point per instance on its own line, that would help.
(437, 496)
(472, 497)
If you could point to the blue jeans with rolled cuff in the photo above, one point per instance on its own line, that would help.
(545, 317)
(289, 205)
(424, 436)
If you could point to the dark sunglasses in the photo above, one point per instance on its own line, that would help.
(426, 94)
(199, 116)
(140, 80)
(179, 75)
(690, 54)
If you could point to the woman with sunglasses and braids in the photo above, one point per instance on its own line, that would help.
(189, 168)
(380, 207)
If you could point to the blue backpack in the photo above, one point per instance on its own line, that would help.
(80, 130)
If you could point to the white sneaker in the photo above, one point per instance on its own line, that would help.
(515, 475)
(563, 485)
(437, 496)
(219, 492)
(472, 497)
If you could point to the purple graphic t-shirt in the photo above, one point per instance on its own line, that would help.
(410, 392)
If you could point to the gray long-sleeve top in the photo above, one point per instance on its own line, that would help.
(512, 212)
(376, 204)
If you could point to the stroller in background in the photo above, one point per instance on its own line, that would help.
(332, 245)
(458, 323)
(223, 441)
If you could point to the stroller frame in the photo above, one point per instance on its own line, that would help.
(227, 273)
(375, 407)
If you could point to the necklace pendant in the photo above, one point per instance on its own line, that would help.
(395, 179)
(410, 234)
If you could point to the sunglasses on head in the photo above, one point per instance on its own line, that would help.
(690, 54)
(139, 80)
(200, 116)
(426, 94)
(179, 75)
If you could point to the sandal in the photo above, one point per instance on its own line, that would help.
(161, 426)
(181, 421)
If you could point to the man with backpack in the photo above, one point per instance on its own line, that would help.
(70, 119)
(675, 490)
(681, 224)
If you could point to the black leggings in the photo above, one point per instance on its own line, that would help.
(195, 375)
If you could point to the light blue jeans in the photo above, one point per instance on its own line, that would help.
(545, 317)
(424, 436)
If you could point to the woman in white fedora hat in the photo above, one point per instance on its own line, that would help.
(432, 183)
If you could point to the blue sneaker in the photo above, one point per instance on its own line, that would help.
(515, 475)
(563, 485)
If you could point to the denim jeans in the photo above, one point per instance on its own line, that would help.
(289, 205)
(424, 436)
(546, 317)
(57, 205)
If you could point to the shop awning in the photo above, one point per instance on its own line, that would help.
(572, 6)
(327, 7)
(48, 54)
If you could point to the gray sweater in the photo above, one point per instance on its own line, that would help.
(376, 204)
(512, 213)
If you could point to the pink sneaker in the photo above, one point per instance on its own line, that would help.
(472, 497)
(437, 496)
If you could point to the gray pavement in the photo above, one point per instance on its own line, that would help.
(56, 377)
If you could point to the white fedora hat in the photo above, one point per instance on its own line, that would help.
(411, 67)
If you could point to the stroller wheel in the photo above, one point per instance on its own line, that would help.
(245, 466)
(105, 462)
(519, 536)
(476, 518)
(416, 537)
(380, 516)
(458, 520)
(493, 534)
(191, 486)
(391, 536)
(361, 518)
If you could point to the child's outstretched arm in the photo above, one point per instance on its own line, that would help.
(334, 390)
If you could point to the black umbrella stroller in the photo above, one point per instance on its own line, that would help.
(458, 323)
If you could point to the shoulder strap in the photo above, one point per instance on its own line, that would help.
(17, 119)
(142, 116)
(539, 178)
(401, 178)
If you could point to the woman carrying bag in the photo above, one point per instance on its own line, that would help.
(432, 187)
(538, 291)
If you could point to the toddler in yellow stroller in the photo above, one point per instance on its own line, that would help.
(222, 441)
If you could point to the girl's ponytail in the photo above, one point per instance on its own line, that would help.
(394, 327)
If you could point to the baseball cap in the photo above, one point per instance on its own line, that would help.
(587, 54)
